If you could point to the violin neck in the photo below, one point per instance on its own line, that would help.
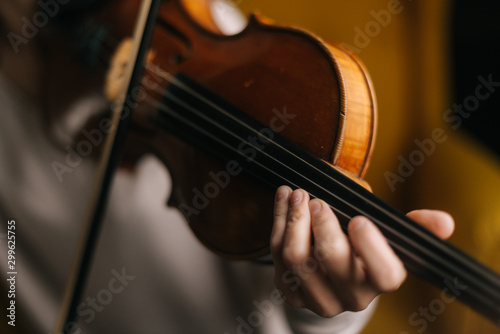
(210, 123)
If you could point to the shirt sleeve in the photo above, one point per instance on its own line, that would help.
(303, 321)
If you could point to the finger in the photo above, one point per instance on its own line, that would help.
(345, 273)
(438, 222)
(284, 279)
(320, 297)
(307, 284)
(289, 284)
(297, 235)
(304, 283)
(384, 269)
(331, 246)
(332, 280)
(280, 215)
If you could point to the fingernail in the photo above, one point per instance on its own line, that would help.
(315, 206)
(282, 194)
(357, 223)
(296, 197)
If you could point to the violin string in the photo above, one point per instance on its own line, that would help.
(164, 108)
(482, 298)
(182, 86)
(160, 106)
(172, 80)
(173, 98)
(436, 269)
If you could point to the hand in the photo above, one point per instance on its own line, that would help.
(338, 273)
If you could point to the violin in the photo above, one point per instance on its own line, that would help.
(235, 117)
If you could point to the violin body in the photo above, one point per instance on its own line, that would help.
(317, 96)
